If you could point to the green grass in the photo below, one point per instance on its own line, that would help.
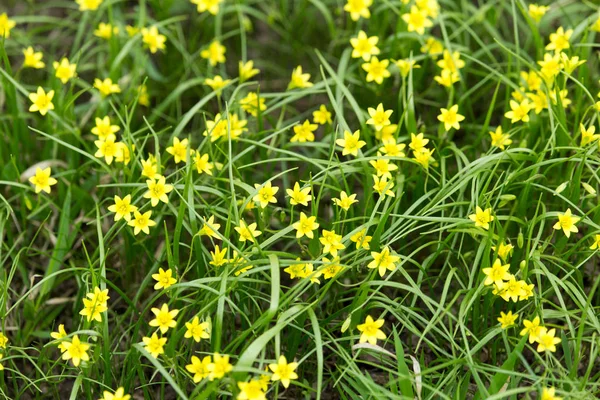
(443, 337)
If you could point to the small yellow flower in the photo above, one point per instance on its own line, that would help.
(64, 70)
(106, 87)
(345, 201)
(358, 9)
(451, 61)
(330, 269)
(178, 150)
(143, 98)
(482, 218)
(122, 208)
(299, 79)
(212, 6)
(108, 148)
(531, 328)
(571, 64)
(247, 70)
(199, 368)
(351, 143)
(305, 226)
(118, 395)
(331, 242)
(536, 12)
(33, 59)
(266, 194)
(432, 47)
(283, 371)
(380, 118)
(363, 46)
(503, 250)
(132, 30)
(376, 70)
(42, 180)
(417, 142)
(497, 274)
(507, 320)
(596, 243)
(299, 196)
(218, 256)
(253, 104)
(361, 239)
(322, 116)
(153, 40)
(500, 139)
(559, 40)
(549, 394)
(197, 330)
(76, 351)
(154, 345)
(383, 167)
(6, 25)
(217, 83)
(447, 78)
(164, 279)
(219, 367)
(141, 222)
(247, 232)
(417, 20)
(215, 53)
(106, 31)
(392, 149)
(567, 222)
(210, 228)
(165, 318)
(42, 101)
(405, 66)
(304, 133)
(59, 334)
(202, 163)
(104, 128)
(370, 331)
(383, 261)
(551, 66)
(150, 168)
(157, 191)
(88, 5)
(382, 186)
(588, 135)
(252, 390)
(450, 117)
(3, 340)
(547, 341)
(93, 309)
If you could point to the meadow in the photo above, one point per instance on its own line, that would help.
(311, 199)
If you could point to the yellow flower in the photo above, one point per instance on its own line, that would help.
(450, 117)
(500, 139)
(215, 53)
(417, 142)
(202, 163)
(299, 79)
(322, 116)
(100, 296)
(503, 250)
(299, 196)
(42, 101)
(382, 186)
(118, 395)
(364, 46)
(154, 345)
(549, 394)
(210, 228)
(383, 261)
(3, 340)
(451, 61)
(351, 143)
(531, 328)
(76, 351)
(252, 390)
(447, 78)
(345, 201)
(165, 318)
(217, 83)
(304, 133)
(132, 30)
(370, 331)
(358, 9)
(122, 208)
(559, 40)
(432, 47)
(361, 239)
(588, 135)
(383, 167)
(331, 242)
(379, 117)
(247, 232)
(153, 40)
(376, 70)
(178, 150)
(482, 218)
(106, 87)
(218, 256)
(104, 129)
(252, 104)
(33, 59)
(88, 5)
(551, 66)
(512, 290)
(596, 26)
(164, 279)
(283, 371)
(596, 243)
(64, 70)
(199, 368)
(60, 334)
(302, 271)
(305, 226)
(219, 367)
(570, 64)
(247, 70)
(93, 309)
(143, 96)
(546, 340)
(424, 157)
(150, 168)
(519, 111)
(539, 101)
(141, 222)
(567, 222)
(6, 25)
(330, 269)
(266, 194)
(42, 180)
(532, 79)
(430, 7)
(536, 12)
(417, 20)
(197, 330)
(107, 148)
(507, 320)
(157, 191)
(216, 128)
(212, 6)
(106, 31)
(392, 149)
(1, 366)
